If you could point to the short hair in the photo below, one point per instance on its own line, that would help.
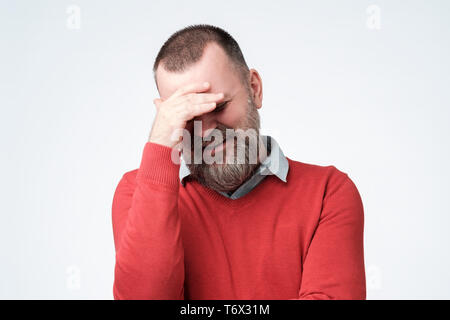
(185, 47)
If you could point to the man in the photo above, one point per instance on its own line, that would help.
(271, 228)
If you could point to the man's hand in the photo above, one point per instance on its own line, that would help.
(183, 105)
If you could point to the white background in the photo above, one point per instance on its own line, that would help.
(76, 110)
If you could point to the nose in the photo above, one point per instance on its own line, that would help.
(208, 124)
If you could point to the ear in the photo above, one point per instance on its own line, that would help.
(256, 87)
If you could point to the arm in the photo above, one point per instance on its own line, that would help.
(334, 264)
(146, 225)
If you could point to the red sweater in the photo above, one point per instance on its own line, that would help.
(297, 240)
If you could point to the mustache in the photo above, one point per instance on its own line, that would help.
(211, 139)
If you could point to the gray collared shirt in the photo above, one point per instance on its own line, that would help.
(275, 163)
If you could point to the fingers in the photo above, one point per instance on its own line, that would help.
(192, 93)
(191, 88)
(199, 109)
(201, 98)
(191, 101)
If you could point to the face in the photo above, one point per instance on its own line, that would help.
(237, 110)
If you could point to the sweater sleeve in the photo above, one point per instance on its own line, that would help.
(146, 227)
(334, 264)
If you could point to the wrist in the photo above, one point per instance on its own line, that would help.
(163, 142)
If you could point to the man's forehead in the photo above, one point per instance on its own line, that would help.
(214, 67)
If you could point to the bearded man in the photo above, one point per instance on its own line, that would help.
(216, 210)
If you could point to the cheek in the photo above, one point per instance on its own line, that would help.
(232, 117)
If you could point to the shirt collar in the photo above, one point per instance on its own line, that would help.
(275, 163)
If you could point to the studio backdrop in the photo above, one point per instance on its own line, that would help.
(361, 85)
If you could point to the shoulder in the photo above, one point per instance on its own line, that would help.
(306, 171)
(328, 180)
(128, 179)
(126, 186)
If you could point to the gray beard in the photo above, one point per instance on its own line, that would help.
(224, 177)
(227, 177)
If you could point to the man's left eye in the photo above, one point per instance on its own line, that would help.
(220, 107)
